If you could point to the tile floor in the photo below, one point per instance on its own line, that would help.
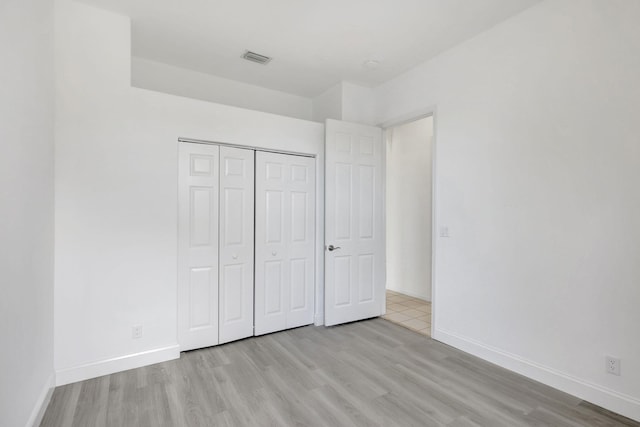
(412, 313)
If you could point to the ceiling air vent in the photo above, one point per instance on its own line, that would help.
(256, 57)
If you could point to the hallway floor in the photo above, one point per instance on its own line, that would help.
(410, 312)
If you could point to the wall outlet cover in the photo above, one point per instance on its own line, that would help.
(613, 365)
(136, 332)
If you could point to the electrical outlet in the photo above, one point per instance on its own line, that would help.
(136, 332)
(613, 365)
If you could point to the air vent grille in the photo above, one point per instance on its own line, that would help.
(256, 57)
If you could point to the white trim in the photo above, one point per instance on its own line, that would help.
(434, 215)
(318, 299)
(245, 147)
(612, 400)
(385, 142)
(116, 364)
(42, 403)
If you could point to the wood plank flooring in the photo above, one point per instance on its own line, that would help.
(370, 373)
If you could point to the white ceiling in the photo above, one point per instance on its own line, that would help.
(315, 43)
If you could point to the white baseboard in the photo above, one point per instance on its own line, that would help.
(41, 404)
(612, 400)
(116, 364)
(411, 294)
(319, 320)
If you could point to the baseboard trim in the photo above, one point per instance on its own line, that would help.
(612, 400)
(412, 294)
(116, 364)
(42, 403)
(318, 320)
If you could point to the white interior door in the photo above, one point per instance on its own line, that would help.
(198, 246)
(236, 243)
(285, 242)
(354, 228)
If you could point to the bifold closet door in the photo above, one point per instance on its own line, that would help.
(285, 242)
(198, 246)
(236, 243)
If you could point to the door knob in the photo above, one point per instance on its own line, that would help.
(333, 248)
(274, 253)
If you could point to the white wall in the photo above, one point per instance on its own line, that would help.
(408, 201)
(116, 194)
(328, 105)
(358, 104)
(538, 164)
(147, 74)
(26, 201)
(345, 101)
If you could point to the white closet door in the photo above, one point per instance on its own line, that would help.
(285, 242)
(301, 240)
(236, 243)
(198, 246)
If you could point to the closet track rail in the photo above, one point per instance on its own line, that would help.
(245, 147)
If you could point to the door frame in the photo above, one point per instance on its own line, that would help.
(386, 126)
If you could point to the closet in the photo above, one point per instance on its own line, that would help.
(246, 237)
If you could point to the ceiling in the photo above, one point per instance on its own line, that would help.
(315, 43)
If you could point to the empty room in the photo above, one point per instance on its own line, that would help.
(337, 213)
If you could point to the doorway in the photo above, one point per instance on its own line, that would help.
(409, 160)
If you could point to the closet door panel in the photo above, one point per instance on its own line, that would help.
(198, 182)
(270, 285)
(236, 243)
(285, 230)
(301, 242)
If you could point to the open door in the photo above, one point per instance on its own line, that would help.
(354, 226)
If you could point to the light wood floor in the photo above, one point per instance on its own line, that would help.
(366, 373)
(410, 312)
